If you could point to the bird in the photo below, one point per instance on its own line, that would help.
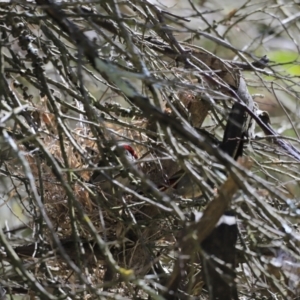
(169, 177)
(182, 185)
(167, 174)
(103, 178)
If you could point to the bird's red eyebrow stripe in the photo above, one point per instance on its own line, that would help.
(130, 150)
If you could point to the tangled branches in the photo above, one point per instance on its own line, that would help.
(139, 163)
